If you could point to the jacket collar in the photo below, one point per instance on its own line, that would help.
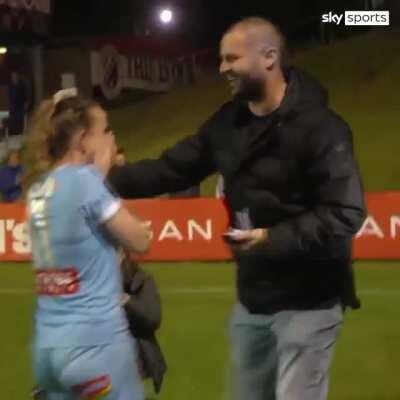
(303, 93)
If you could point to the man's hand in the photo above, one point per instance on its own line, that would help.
(246, 240)
(125, 298)
(105, 153)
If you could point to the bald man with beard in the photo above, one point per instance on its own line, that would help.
(296, 200)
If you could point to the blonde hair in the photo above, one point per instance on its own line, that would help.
(50, 131)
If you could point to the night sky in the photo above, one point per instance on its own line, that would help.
(200, 22)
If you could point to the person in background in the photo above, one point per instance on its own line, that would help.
(18, 104)
(10, 178)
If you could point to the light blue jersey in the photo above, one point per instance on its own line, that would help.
(77, 272)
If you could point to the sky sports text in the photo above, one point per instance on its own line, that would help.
(358, 18)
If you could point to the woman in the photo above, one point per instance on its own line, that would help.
(82, 347)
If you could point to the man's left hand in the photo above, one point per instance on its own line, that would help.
(248, 240)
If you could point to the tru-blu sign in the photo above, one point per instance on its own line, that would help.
(114, 71)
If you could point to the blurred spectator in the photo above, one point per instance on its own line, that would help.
(10, 178)
(18, 103)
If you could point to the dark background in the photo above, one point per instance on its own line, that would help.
(201, 22)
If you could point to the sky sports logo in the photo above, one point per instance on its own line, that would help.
(358, 18)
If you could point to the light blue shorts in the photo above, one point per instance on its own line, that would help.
(107, 372)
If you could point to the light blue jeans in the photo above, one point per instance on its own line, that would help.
(283, 356)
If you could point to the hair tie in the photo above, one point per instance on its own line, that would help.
(64, 94)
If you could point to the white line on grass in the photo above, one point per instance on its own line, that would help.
(200, 290)
(227, 290)
(209, 290)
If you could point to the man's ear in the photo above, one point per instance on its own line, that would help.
(270, 56)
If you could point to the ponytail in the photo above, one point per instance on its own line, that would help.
(35, 155)
(50, 132)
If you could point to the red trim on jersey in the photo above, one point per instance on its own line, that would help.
(57, 281)
(104, 380)
(99, 392)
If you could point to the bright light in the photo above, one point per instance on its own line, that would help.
(3, 50)
(166, 16)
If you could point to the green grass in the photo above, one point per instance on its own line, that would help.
(197, 300)
(363, 77)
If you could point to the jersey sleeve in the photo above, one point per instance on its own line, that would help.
(99, 202)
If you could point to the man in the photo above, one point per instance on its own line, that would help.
(17, 104)
(295, 195)
(10, 178)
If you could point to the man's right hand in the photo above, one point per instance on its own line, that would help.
(105, 153)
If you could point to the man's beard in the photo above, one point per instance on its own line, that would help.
(250, 89)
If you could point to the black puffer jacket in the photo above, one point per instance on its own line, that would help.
(293, 172)
(143, 311)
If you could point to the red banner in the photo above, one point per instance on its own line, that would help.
(185, 230)
(190, 230)
(379, 237)
(149, 63)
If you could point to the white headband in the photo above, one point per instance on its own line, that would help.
(64, 94)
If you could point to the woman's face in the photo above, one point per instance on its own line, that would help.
(92, 139)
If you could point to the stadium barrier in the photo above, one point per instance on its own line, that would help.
(190, 230)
